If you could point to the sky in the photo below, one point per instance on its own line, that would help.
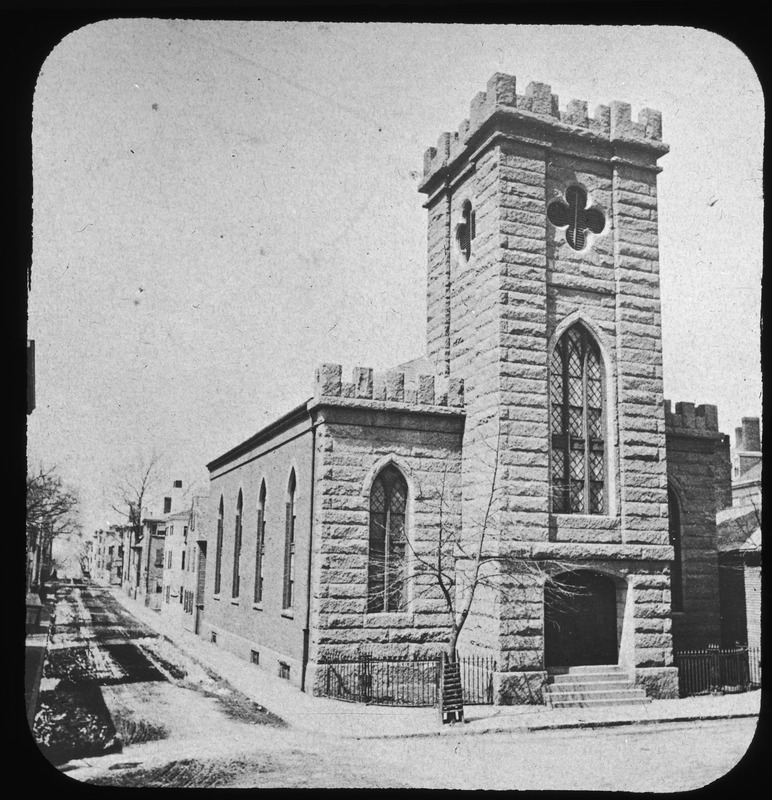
(218, 207)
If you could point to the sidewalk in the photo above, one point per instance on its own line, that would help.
(318, 715)
(35, 646)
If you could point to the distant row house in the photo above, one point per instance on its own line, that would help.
(739, 538)
(105, 556)
(162, 564)
(184, 565)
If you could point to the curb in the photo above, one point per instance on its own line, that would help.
(660, 721)
(455, 729)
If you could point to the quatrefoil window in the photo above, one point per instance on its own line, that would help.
(465, 230)
(574, 214)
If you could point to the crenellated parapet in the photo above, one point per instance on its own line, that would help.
(391, 387)
(688, 418)
(613, 122)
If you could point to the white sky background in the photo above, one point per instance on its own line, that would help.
(219, 207)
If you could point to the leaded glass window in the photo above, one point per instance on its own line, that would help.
(237, 537)
(387, 561)
(260, 547)
(218, 550)
(576, 425)
(289, 545)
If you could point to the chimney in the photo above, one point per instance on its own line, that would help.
(751, 435)
(738, 439)
(747, 446)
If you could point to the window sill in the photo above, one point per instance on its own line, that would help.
(288, 613)
(216, 597)
(602, 520)
(235, 601)
(257, 607)
(387, 617)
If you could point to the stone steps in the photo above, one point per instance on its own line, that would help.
(589, 686)
(586, 703)
(593, 687)
(599, 677)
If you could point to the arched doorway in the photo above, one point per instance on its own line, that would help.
(580, 620)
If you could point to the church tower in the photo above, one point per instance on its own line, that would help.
(543, 296)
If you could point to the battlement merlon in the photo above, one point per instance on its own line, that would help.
(690, 419)
(538, 106)
(388, 389)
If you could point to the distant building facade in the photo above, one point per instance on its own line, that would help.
(740, 542)
(106, 557)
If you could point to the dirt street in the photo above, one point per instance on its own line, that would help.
(121, 706)
(109, 683)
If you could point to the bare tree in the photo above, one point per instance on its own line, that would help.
(134, 487)
(52, 511)
(466, 557)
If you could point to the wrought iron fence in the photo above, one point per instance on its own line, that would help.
(391, 682)
(477, 679)
(717, 669)
(398, 682)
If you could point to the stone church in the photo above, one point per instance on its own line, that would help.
(530, 445)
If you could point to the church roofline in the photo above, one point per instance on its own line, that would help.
(538, 109)
(426, 392)
(289, 419)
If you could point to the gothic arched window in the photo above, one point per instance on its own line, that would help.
(218, 549)
(237, 531)
(387, 562)
(576, 425)
(674, 528)
(289, 545)
(260, 546)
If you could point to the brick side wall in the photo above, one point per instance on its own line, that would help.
(241, 626)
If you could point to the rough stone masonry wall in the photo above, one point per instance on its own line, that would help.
(693, 444)
(438, 285)
(473, 336)
(642, 469)
(362, 426)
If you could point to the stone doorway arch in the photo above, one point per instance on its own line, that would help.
(580, 620)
